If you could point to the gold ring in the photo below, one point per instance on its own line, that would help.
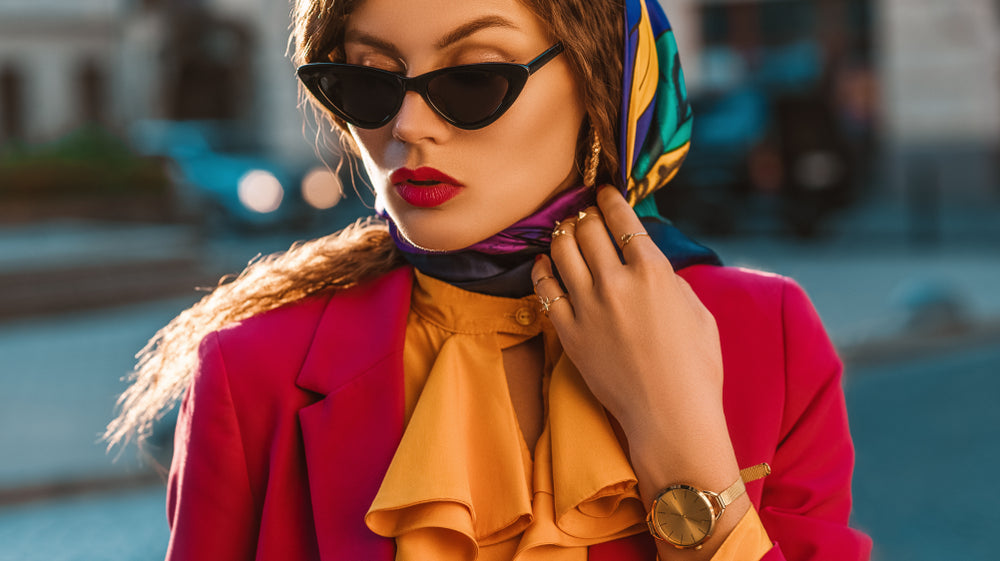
(628, 237)
(580, 216)
(559, 232)
(547, 302)
(540, 279)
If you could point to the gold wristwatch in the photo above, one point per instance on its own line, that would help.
(685, 517)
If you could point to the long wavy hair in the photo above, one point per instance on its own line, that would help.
(591, 32)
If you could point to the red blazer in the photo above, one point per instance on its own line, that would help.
(291, 421)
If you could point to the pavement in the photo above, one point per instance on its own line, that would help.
(926, 435)
(122, 525)
(59, 379)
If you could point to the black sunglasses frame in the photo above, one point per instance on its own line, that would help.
(516, 75)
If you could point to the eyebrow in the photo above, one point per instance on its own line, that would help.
(456, 35)
(355, 36)
(463, 31)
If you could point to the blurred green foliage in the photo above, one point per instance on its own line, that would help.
(88, 163)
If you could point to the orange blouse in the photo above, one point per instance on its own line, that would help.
(464, 486)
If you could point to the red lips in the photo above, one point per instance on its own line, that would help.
(424, 187)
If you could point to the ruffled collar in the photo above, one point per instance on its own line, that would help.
(462, 484)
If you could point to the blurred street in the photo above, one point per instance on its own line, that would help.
(927, 435)
(119, 526)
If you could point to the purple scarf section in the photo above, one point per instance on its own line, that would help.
(531, 232)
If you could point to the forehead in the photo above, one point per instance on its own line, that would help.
(416, 23)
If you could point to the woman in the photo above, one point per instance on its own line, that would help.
(396, 390)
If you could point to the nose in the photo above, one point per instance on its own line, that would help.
(418, 122)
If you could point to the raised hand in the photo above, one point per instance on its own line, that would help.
(644, 343)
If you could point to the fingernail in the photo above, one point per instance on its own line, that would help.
(538, 258)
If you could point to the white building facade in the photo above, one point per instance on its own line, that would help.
(66, 63)
(56, 63)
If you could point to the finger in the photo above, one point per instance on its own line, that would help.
(622, 221)
(560, 307)
(566, 257)
(596, 246)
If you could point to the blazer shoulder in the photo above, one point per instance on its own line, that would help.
(271, 347)
(266, 349)
(288, 328)
(731, 289)
(744, 299)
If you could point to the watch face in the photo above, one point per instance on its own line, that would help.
(684, 516)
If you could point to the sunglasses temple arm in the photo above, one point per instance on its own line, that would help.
(544, 58)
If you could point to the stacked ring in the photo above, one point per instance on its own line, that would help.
(561, 229)
(626, 238)
(547, 302)
(540, 279)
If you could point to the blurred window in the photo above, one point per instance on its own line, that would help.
(749, 25)
(782, 23)
(11, 104)
(92, 86)
(209, 60)
(785, 45)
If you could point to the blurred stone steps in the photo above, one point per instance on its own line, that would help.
(52, 268)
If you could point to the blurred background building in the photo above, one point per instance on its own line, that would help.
(831, 103)
(64, 64)
(819, 104)
(201, 91)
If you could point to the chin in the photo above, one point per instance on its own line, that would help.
(437, 241)
(436, 238)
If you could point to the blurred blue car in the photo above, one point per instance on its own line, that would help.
(221, 176)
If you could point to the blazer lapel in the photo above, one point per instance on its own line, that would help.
(350, 436)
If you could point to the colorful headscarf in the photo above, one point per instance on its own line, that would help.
(655, 127)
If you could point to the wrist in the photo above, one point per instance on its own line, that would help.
(672, 415)
(697, 452)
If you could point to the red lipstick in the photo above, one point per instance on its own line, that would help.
(424, 187)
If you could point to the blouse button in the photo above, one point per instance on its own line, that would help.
(525, 316)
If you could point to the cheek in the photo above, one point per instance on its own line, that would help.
(373, 145)
(539, 141)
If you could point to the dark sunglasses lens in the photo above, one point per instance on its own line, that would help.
(366, 96)
(468, 95)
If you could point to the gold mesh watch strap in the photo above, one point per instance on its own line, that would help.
(734, 491)
(753, 473)
(747, 475)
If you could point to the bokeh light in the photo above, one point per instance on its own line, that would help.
(260, 191)
(321, 188)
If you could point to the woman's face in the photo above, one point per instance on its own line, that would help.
(505, 171)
